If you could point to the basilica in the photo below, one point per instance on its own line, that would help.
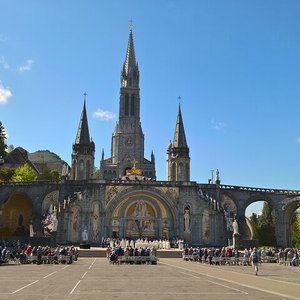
(126, 201)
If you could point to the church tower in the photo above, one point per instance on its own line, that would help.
(127, 144)
(178, 159)
(83, 154)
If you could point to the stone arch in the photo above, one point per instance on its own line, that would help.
(50, 199)
(16, 215)
(288, 211)
(116, 218)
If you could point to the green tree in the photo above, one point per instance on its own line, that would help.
(266, 232)
(96, 174)
(255, 225)
(6, 174)
(3, 145)
(295, 229)
(47, 174)
(24, 174)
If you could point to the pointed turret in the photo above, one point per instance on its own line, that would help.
(179, 135)
(83, 135)
(83, 154)
(178, 160)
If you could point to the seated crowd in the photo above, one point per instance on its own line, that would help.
(24, 254)
(227, 255)
(130, 255)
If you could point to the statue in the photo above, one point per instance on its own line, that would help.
(235, 226)
(187, 220)
(84, 235)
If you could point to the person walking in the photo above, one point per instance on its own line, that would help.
(254, 260)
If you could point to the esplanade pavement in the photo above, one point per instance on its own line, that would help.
(171, 278)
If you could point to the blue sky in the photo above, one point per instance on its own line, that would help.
(236, 65)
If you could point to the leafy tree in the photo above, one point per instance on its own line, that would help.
(255, 225)
(263, 226)
(3, 145)
(295, 229)
(24, 174)
(6, 174)
(47, 174)
(267, 215)
(266, 232)
(96, 174)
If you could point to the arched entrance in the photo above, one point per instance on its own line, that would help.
(291, 212)
(16, 216)
(140, 215)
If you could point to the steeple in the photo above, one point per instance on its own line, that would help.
(83, 153)
(178, 160)
(130, 71)
(127, 143)
(179, 135)
(83, 136)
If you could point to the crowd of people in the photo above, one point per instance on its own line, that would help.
(25, 253)
(247, 257)
(143, 242)
(131, 255)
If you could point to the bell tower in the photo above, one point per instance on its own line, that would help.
(127, 142)
(83, 153)
(178, 159)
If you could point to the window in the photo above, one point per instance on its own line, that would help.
(132, 106)
(126, 104)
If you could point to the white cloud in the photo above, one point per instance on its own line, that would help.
(218, 125)
(104, 115)
(298, 140)
(4, 63)
(5, 93)
(26, 66)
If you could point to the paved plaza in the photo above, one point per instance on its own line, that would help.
(171, 278)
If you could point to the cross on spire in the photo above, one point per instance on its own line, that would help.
(130, 24)
(179, 98)
(84, 94)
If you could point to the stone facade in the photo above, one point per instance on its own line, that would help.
(127, 201)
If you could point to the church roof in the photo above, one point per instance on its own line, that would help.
(83, 135)
(179, 135)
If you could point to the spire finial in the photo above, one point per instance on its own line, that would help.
(84, 94)
(179, 100)
(130, 24)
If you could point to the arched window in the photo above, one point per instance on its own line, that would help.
(187, 170)
(180, 172)
(126, 104)
(132, 106)
(173, 171)
(81, 169)
(88, 171)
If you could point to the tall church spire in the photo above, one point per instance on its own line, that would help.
(127, 143)
(130, 71)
